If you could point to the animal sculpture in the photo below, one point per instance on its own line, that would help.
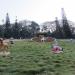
(4, 48)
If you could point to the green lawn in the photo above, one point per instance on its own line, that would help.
(35, 58)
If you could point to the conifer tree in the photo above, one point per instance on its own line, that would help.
(7, 31)
(16, 31)
(59, 33)
(66, 27)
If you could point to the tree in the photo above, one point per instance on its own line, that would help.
(59, 33)
(25, 32)
(34, 28)
(44, 28)
(16, 30)
(66, 27)
(49, 33)
(1, 31)
(7, 31)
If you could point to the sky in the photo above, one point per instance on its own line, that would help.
(36, 10)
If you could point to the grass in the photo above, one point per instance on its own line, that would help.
(34, 58)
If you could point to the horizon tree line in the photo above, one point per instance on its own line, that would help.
(17, 30)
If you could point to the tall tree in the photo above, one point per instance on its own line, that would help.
(7, 32)
(34, 28)
(25, 32)
(1, 31)
(44, 28)
(66, 27)
(16, 30)
(59, 33)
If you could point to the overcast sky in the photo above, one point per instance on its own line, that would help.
(36, 10)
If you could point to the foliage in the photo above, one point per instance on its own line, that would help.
(25, 32)
(16, 30)
(66, 29)
(7, 31)
(59, 32)
(1, 31)
(44, 29)
(34, 28)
